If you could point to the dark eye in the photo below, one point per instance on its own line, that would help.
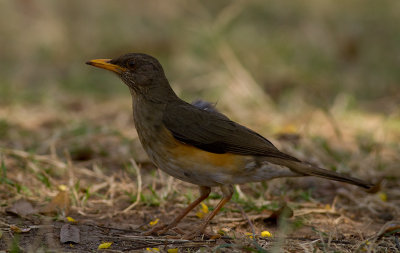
(130, 64)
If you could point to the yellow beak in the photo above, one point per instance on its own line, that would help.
(105, 64)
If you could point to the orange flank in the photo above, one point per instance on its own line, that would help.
(192, 154)
(197, 162)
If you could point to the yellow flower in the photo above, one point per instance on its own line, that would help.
(382, 196)
(289, 129)
(204, 210)
(153, 249)
(105, 245)
(266, 234)
(204, 207)
(249, 235)
(70, 219)
(62, 187)
(172, 250)
(154, 222)
(200, 214)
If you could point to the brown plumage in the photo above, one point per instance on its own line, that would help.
(198, 144)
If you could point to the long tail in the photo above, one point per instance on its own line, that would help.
(310, 170)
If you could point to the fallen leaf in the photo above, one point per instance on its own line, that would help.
(22, 208)
(376, 188)
(216, 236)
(59, 203)
(19, 230)
(69, 233)
(172, 250)
(105, 245)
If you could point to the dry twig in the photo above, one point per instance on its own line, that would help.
(139, 190)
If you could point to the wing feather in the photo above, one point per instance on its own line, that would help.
(214, 132)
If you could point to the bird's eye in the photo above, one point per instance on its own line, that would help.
(130, 64)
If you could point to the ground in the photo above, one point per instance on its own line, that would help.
(79, 162)
(320, 79)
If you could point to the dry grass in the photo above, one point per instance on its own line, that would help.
(88, 146)
(318, 78)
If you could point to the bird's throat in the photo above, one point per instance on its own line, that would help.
(147, 116)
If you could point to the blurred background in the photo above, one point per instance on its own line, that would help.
(320, 78)
(319, 69)
(314, 52)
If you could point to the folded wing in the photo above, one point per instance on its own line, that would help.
(214, 132)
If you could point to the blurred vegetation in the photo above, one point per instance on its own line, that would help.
(320, 78)
(314, 51)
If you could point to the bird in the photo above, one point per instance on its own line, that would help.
(198, 144)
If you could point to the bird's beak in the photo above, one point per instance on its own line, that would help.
(105, 64)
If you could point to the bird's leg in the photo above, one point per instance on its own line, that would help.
(204, 193)
(227, 191)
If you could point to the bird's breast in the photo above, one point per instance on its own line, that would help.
(185, 161)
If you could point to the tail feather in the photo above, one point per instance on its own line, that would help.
(311, 170)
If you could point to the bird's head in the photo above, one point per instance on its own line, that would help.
(142, 73)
